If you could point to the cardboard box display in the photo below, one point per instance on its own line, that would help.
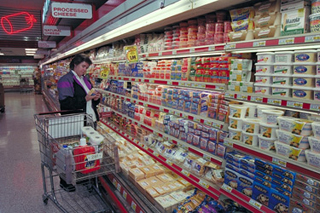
(307, 187)
(278, 202)
(231, 178)
(245, 185)
(261, 193)
(299, 194)
(308, 180)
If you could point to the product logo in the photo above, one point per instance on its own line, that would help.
(302, 57)
(300, 69)
(89, 164)
(317, 96)
(300, 81)
(300, 93)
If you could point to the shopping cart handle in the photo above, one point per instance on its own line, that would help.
(61, 111)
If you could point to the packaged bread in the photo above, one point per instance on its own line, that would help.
(136, 174)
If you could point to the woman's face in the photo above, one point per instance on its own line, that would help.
(81, 68)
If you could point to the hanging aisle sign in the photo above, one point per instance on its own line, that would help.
(51, 30)
(131, 54)
(71, 10)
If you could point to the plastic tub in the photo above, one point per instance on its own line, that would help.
(268, 131)
(266, 143)
(270, 116)
(314, 144)
(283, 91)
(316, 94)
(315, 6)
(250, 125)
(290, 152)
(295, 126)
(308, 69)
(281, 80)
(294, 140)
(265, 57)
(263, 90)
(264, 69)
(283, 57)
(305, 56)
(302, 92)
(317, 81)
(251, 111)
(262, 107)
(303, 81)
(237, 111)
(250, 139)
(235, 123)
(282, 69)
(314, 22)
(313, 159)
(263, 79)
(316, 130)
(235, 134)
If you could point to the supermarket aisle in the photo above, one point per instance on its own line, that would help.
(21, 182)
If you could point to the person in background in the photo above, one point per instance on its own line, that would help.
(75, 94)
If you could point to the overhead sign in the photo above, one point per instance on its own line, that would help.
(47, 44)
(71, 10)
(51, 30)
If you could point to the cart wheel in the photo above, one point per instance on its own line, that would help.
(45, 199)
(2, 110)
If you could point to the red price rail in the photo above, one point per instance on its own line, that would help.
(193, 149)
(300, 167)
(244, 200)
(300, 40)
(176, 83)
(199, 119)
(197, 182)
(292, 103)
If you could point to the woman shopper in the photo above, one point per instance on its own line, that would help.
(74, 94)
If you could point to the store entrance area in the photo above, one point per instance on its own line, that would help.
(21, 181)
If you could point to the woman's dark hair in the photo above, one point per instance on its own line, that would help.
(79, 59)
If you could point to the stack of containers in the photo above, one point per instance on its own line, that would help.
(237, 113)
(268, 128)
(210, 28)
(315, 16)
(192, 32)
(242, 24)
(304, 70)
(240, 75)
(219, 27)
(168, 38)
(183, 34)
(175, 36)
(263, 76)
(313, 155)
(201, 36)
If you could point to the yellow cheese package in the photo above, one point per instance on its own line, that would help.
(136, 174)
(144, 184)
(152, 192)
(154, 181)
(165, 178)
(158, 170)
(242, 14)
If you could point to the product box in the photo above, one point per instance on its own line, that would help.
(285, 174)
(230, 161)
(300, 194)
(262, 181)
(263, 175)
(235, 156)
(283, 189)
(304, 186)
(233, 167)
(231, 178)
(263, 164)
(261, 193)
(308, 180)
(245, 185)
(246, 173)
(294, 5)
(248, 161)
(247, 168)
(264, 170)
(278, 202)
(295, 21)
(299, 207)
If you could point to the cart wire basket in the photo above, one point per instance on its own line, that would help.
(63, 158)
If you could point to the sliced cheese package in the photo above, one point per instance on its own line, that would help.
(136, 174)
(148, 171)
(179, 196)
(158, 170)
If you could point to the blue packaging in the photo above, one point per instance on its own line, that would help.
(213, 134)
(289, 175)
(263, 175)
(230, 161)
(264, 170)
(248, 161)
(231, 178)
(281, 190)
(246, 173)
(232, 167)
(278, 202)
(261, 193)
(264, 164)
(235, 156)
(211, 148)
(245, 185)
(247, 168)
(262, 181)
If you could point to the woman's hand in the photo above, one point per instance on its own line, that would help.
(89, 97)
(97, 96)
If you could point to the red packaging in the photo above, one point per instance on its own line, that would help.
(210, 26)
(80, 158)
(221, 16)
(209, 41)
(219, 27)
(210, 18)
(226, 37)
(202, 29)
(218, 38)
(183, 24)
(227, 27)
(210, 34)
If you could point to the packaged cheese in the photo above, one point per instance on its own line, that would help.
(266, 7)
(165, 178)
(295, 21)
(152, 192)
(154, 181)
(158, 170)
(144, 184)
(148, 171)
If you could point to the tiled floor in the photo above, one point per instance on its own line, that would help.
(20, 173)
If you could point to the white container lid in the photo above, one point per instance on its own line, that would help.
(266, 53)
(230, 117)
(83, 142)
(236, 130)
(315, 14)
(268, 125)
(262, 64)
(305, 51)
(303, 76)
(283, 75)
(262, 74)
(247, 133)
(283, 64)
(284, 52)
(302, 88)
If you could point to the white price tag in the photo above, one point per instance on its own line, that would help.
(230, 46)
(279, 162)
(313, 38)
(259, 43)
(294, 104)
(202, 86)
(151, 81)
(161, 109)
(185, 116)
(182, 84)
(133, 205)
(186, 173)
(221, 88)
(196, 120)
(283, 41)
(169, 82)
(156, 154)
(315, 107)
(226, 188)
(94, 156)
(124, 195)
(212, 48)
(209, 123)
(174, 52)
(160, 53)
(114, 182)
(188, 84)
(270, 101)
(119, 187)
(169, 162)
(277, 102)
(206, 157)
(255, 203)
(239, 97)
(192, 50)
(204, 184)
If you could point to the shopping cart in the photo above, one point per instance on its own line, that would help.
(58, 137)
(24, 85)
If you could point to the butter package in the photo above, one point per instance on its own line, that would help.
(245, 185)
(295, 21)
(278, 202)
(261, 193)
(299, 207)
(231, 178)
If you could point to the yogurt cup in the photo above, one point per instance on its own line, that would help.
(268, 131)
(314, 144)
(294, 140)
(282, 69)
(250, 125)
(283, 91)
(263, 90)
(235, 123)
(304, 69)
(263, 79)
(313, 159)
(270, 116)
(237, 111)
(290, 152)
(264, 68)
(265, 57)
(262, 107)
(295, 126)
(303, 81)
(302, 92)
(283, 57)
(316, 129)
(266, 143)
(281, 80)
(235, 134)
(305, 56)
(250, 139)
(315, 22)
